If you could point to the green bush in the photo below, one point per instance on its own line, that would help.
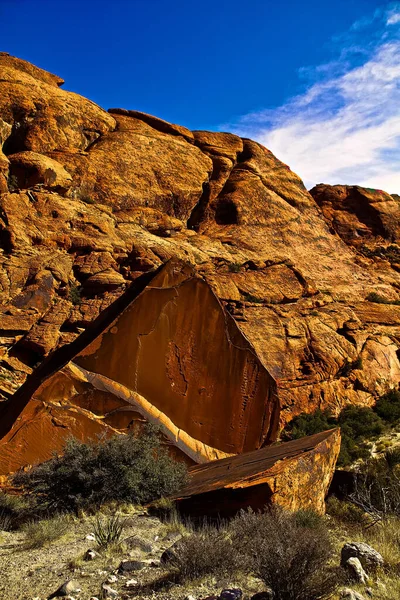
(388, 406)
(345, 511)
(124, 468)
(75, 295)
(308, 424)
(290, 556)
(234, 267)
(358, 425)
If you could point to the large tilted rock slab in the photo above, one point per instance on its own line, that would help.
(294, 475)
(172, 356)
(90, 201)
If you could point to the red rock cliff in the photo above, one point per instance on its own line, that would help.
(92, 200)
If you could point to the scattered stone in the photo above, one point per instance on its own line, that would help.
(90, 555)
(132, 565)
(93, 598)
(135, 542)
(190, 597)
(231, 594)
(131, 583)
(349, 594)
(90, 537)
(368, 557)
(169, 554)
(355, 567)
(112, 579)
(67, 588)
(108, 592)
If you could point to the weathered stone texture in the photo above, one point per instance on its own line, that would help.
(90, 201)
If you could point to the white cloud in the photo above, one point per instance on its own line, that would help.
(345, 128)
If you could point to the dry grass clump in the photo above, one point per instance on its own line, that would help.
(206, 551)
(41, 533)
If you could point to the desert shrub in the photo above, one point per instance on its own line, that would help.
(75, 295)
(108, 531)
(234, 267)
(251, 298)
(377, 298)
(124, 468)
(377, 486)
(206, 551)
(388, 406)
(14, 510)
(41, 533)
(288, 555)
(358, 425)
(308, 424)
(344, 511)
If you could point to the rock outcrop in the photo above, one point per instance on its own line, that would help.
(295, 475)
(93, 201)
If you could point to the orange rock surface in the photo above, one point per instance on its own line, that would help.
(92, 201)
(295, 475)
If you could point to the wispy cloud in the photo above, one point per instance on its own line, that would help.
(345, 128)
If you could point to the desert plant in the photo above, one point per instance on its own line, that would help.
(234, 267)
(75, 295)
(377, 486)
(41, 533)
(14, 510)
(377, 298)
(251, 298)
(108, 531)
(124, 468)
(388, 406)
(290, 557)
(358, 426)
(206, 551)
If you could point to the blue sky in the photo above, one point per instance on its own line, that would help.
(317, 82)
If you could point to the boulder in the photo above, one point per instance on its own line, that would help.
(369, 558)
(356, 570)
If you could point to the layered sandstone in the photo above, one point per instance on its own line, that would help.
(93, 201)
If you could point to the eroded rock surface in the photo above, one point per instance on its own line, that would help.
(91, 201)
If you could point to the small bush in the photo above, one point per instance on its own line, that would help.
(124, 468)
(344, 511)
(13, 511)
(377, 298)
(251, 298)
(207, 551)
(108, 532)
(234, 267)
(377, 486)
(41, 533)
(290, 557)
(75, 295)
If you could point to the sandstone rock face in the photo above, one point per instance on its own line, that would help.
(173, 356)
(92, 201)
